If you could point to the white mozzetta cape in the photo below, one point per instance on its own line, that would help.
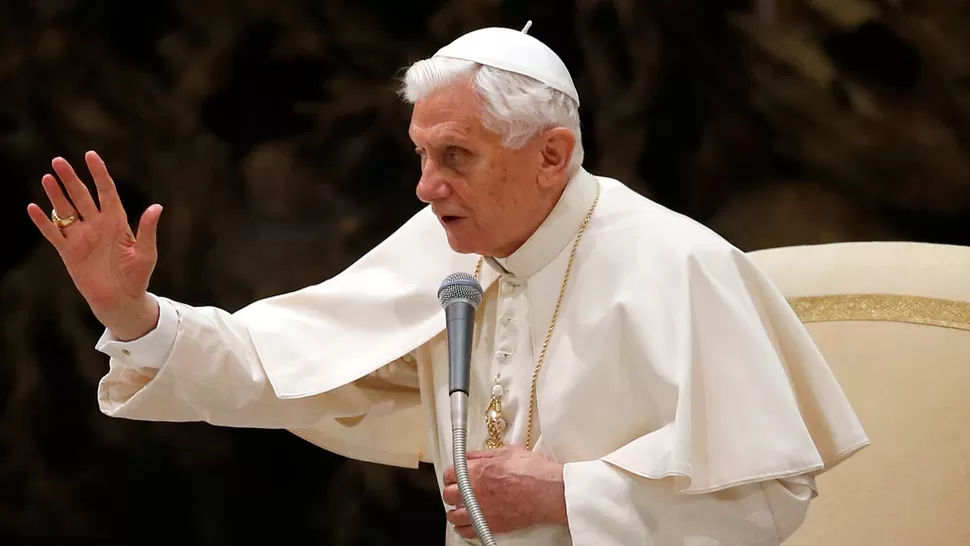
(674, 357)
(668, 334)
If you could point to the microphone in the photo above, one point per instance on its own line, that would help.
(460, 295)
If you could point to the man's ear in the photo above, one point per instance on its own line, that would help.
(557, 147)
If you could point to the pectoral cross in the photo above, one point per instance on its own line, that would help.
(494, 422)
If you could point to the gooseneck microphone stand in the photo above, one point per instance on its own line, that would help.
(460, 295)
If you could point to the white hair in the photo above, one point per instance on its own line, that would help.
(517, 107)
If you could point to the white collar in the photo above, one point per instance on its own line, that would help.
(556, 231)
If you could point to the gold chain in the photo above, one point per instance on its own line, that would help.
(494, 406)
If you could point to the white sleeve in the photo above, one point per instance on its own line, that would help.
(150, 350)
(607, 506)
(214, 373)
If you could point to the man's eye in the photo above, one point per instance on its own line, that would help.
(454, 153)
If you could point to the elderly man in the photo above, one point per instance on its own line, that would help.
(637, 380)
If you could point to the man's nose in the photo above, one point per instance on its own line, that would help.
(432, 186)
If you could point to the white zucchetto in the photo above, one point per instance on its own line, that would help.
(514, 51)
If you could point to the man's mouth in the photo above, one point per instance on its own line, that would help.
(450, 220)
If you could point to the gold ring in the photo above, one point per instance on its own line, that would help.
(62, 222)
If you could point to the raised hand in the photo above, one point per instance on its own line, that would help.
(109, 265)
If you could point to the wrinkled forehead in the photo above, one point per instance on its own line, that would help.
(452, 112)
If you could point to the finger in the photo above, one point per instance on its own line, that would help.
(458, 516)
(107, 192)
(75, 188)
(46, 227)
(449, 476)
(451, 495)
(466, 531)
(145, 240)
(488, 453)
(58, 200)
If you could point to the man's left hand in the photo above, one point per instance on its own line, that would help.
(515, 488)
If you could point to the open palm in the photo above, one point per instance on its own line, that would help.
(109, 265)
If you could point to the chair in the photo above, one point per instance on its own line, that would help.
(893, 320)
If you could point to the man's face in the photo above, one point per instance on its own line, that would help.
(486, 196)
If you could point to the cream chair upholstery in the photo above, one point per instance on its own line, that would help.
(893, 320)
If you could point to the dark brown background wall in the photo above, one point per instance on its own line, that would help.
(271, 133)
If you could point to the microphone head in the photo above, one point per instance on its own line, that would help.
(460, 287)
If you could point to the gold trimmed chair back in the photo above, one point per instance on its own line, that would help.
(893, 321)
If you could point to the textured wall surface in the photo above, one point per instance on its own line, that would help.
(271, 133)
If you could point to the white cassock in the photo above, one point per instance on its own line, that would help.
(687, 401)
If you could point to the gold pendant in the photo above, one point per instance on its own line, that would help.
(494, 422)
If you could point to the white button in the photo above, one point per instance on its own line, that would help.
(502, 355)
(498, 391)
(505, 321)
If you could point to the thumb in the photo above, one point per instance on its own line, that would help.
(147, 229)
